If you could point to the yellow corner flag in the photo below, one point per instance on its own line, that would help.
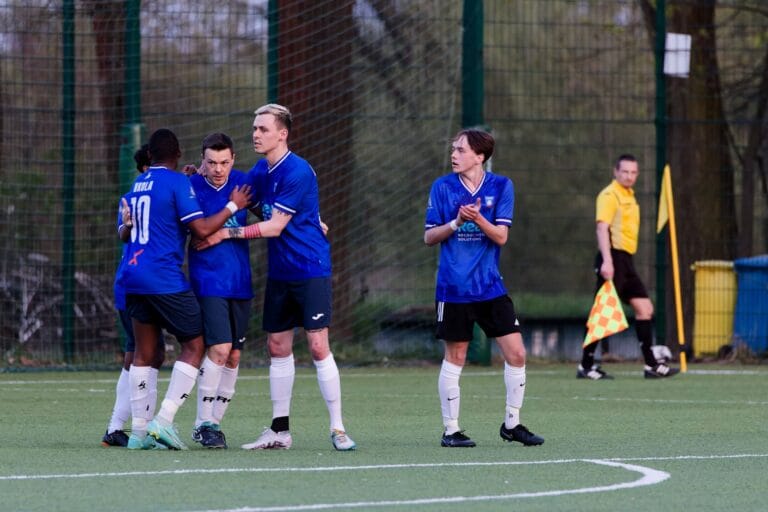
(664, 199)
(607, 316)
(667, 214)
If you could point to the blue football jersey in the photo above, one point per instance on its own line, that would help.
(162, 203)
(223, 270)
(301, 251)
(119, 287)
(469, 261)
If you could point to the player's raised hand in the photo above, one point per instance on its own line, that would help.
(125, 212)
(190, 169)
(241, 196)
(470, 212)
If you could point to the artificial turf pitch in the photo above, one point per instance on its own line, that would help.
(698, 441)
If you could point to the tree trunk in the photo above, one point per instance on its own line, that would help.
(751, 165)
(314, 82)
(699, 156)
(108, 21)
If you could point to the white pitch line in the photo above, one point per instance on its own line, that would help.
(694, 457)
(356, 375)
(280, 470)
(668, 400)
(649, 476)
(201, 471)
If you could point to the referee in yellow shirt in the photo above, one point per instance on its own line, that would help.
(618, 225)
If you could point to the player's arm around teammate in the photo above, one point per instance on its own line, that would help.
(298, 291)
(159, 297)
(221, 279)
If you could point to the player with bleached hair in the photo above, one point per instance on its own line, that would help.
(298, 291)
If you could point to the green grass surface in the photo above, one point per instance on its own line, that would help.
(707, 430)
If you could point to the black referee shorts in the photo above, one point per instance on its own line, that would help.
(625, 278)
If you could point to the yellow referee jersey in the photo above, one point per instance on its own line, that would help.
(618, 207)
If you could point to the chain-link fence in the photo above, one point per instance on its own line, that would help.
(376, 91)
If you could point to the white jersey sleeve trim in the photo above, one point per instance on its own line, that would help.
(197, 213)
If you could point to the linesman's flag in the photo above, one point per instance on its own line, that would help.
(607, 316)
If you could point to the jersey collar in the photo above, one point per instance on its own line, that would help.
(277, 164)
(458, 177)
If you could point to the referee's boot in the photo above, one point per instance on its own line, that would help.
(594, 373)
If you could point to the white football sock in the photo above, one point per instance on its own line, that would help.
(450, 395)
(225, 393)
(154, 374)
(514, 380)
(183, 379)
(282, 373)
(207, 384)
(122, 408)
(330, 387)
(140, 399)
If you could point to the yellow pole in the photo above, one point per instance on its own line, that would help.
(675, 268)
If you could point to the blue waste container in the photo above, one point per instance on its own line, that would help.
(750, 321)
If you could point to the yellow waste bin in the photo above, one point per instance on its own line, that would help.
(715, 299)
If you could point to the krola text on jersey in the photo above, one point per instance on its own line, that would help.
(142, 186)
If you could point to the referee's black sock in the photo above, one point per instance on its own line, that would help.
(588, 355)
(644, 330)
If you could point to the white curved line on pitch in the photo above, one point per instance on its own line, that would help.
(316, 469)
(649, 476)
(171, 472)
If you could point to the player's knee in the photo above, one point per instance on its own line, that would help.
(219, 353)
(458, 360)
(233, 361)
(279, 348)
(319, 350)
(456, 354)
(644, 310)
(192, 351)
(516, 357)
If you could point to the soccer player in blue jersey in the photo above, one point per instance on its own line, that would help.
(298, 291)
(469, 214)
(121, 411)
(163, 209)
(221, 279)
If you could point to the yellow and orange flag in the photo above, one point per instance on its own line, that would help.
(607, 316)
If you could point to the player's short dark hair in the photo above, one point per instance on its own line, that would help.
(141, 157)
(218, 141)
(480, 141)
(626, 157)
(164, 146)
